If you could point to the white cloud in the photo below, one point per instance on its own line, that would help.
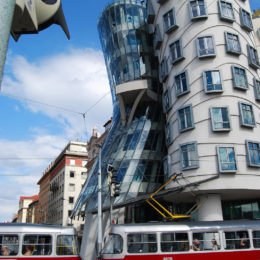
(73, 81)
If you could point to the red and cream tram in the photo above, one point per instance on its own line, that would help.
(32, 241)
(223, 240)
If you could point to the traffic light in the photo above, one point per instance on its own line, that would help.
(110, 170)
(115, 189)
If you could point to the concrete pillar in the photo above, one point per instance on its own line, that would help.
(210, 208)
(6, 18)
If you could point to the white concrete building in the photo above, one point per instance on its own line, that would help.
(256, 24)
(67, 176)
(209, 69)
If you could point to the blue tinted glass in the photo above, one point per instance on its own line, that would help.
(134, 140)
(188, 116)
(209, 78)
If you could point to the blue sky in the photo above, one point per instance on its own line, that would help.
(49, 82)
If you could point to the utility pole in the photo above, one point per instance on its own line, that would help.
(100, 233)
(6, 18)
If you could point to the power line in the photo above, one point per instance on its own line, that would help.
(39, 102)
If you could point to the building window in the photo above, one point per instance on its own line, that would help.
(169, 21)
(168, 133)
(84, 163)
(72, 174)
(161, 1)
(197, 9)
(189, 156)
(167, 167)
(71, 200)
(176, 51)
(257, 89)
(253, 57)
(185, 118)
(181, 82)
(69, 212)
(167, 100)
(163, 70)
(226, 159)
(253, 153)
(246, 115)
(232, 43)
(206, 47)
(239, 78)
(157, 42)
(220, 118)
(71, 187)
(212, 81)
(84, 175)
(226, 11)
(246, 20)
(72, 162)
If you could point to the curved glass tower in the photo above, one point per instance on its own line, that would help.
(135, 145)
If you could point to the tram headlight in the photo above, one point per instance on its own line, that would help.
(32, 16)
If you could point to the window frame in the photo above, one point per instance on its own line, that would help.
(173, 26)
(168, 133)
(214, 129)
(235, 85)
(204, 75)
(167, 96)
(185, 72)
(199, 16)
(163, 70)
(242, 123)
(257, 89)
(174, 241)
(251, 62)
(220, 163)
(202, 56)
(196, 165)
(221, 13)
(191, 115)
(181, 57)
(248, 153)
(228, 49)
(243, 23)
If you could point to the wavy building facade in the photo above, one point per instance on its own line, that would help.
(135, 145)
(209, 68)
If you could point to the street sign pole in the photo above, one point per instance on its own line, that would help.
(6, 18)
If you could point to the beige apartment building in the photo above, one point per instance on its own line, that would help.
(66, 174)
(44, 184)
(23, 207)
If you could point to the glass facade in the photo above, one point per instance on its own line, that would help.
(136, 149)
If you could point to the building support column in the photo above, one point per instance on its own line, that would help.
(209, 207)
(6, 18)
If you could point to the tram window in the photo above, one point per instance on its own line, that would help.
(141, 243)
(113, 245)
(237, 240)
(174, 242)
(256, 239)
(37, 245)
(9, 244)
(66, 245)
(206, 241)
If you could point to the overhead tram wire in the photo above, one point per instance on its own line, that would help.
(58, 107)
(39, 102)
(91, 107)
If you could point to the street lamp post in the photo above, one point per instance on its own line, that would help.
(100, 233)
(6, 18)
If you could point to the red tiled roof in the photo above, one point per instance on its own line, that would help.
(34, 198)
